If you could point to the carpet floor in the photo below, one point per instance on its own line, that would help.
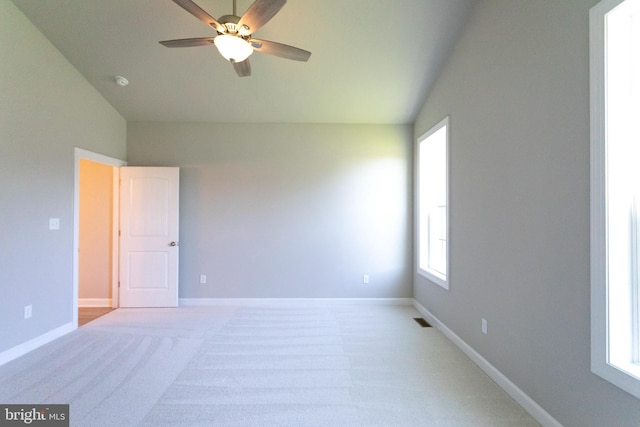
(260, 365)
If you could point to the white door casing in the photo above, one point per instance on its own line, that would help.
(149, 236)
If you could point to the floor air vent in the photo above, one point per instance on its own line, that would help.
(422, 322)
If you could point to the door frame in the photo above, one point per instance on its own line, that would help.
(81, 154)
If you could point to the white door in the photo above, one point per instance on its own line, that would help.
(149, 237)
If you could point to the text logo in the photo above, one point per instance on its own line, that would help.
(34, 415)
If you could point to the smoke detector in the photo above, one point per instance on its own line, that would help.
(121, 81)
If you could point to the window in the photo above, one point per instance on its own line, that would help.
(615, 192)
(433, 218)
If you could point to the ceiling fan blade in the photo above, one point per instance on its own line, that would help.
(200, 41)
(279, 49)
(197, 11)
(258, 14)
(243, 69)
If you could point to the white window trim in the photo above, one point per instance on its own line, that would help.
(600, 363)
(433, 276)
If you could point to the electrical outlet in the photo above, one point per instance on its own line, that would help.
(484, 326)
(27, 311)
(365, 278)
(54, 223)
(203, 278)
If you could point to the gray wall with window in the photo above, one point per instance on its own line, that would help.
(517, 91)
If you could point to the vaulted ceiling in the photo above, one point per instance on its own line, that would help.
(373, 61)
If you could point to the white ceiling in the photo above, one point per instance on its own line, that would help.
(373, 61)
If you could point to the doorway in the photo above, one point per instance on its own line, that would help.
(95, 235)
(89, 314)
(108, 262)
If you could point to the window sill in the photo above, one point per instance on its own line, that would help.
(625, 377)
(434, 277)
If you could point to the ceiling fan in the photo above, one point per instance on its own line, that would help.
(234, 39)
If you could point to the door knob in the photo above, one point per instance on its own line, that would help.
(173, 244)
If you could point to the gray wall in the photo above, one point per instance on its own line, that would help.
(288, 211)
(46, 108)
(517, 90)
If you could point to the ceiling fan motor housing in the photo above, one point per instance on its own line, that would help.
(230, 22)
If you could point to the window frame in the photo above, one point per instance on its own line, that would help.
(624, 375)
(436, 277)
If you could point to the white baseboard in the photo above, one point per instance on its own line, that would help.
(202, 302)
(535, 410)
(94, 302)
(26, 347)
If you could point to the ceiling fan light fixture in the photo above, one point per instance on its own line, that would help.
(233, 48)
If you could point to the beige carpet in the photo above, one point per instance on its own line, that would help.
(269, 365)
